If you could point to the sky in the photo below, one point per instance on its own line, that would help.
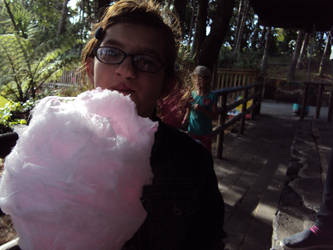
(72, 3)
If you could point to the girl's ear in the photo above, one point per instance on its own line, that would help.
(90, 69)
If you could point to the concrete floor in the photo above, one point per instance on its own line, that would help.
(252, 176)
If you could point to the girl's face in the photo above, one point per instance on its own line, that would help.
(144, 88)
(203, 82)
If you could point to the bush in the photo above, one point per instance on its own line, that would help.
(14, 113)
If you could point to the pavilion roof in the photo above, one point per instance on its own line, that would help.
(310, 15)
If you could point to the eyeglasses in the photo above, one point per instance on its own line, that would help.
(142, 62)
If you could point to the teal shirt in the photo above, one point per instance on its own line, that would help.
(200, 123)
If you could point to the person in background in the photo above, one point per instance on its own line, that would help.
(202, 109)
(319, 235)
(134, 52)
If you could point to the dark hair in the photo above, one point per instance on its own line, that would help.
(147, 13)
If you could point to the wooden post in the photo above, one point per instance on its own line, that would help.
(256, 102)
(244, 108)
(319, 96)
(330, 106)
(227, 82)
(260, 95)
(220, 81)
(214, 78)
(305, 99)
(244, 79)
(234, 85)
(222, 119)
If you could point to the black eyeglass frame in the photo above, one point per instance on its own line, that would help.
(125, 55)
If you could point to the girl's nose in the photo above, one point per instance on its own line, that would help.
(126, 68)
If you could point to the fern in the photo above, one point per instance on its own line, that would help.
(30, 60)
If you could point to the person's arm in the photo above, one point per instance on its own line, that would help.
(188, 102)
(213, 114)
(185, 119)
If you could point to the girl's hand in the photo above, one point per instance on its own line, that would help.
(196, 106)
(183, 125)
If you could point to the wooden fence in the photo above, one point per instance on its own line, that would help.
(69, 78)
(229, 78)
(224, 78)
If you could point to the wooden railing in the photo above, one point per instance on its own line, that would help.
(321, 88)
(69, 78)
(224, 78)
(249, 93)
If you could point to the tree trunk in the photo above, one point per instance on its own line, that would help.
(263, 65)
(101, 6)
(301, 59)
(292, 67)
(86, 7)
(255, 37)
(193, 18)
(324, 58)
(180, 7)
(244, 7)
(262, 40)
(210, 48)
(17, 27)
(239, 18)
(200, 28)
(62, 23)
(320, 42)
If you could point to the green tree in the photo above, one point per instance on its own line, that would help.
(29, 57)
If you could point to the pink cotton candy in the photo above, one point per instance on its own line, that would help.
(75, 177)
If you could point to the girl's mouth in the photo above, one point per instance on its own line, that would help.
(126, 92)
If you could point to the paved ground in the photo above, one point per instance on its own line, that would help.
(271, 177)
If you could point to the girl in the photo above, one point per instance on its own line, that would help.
(202, 109)
(134, 52)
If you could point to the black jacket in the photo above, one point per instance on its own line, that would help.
(185, 208)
